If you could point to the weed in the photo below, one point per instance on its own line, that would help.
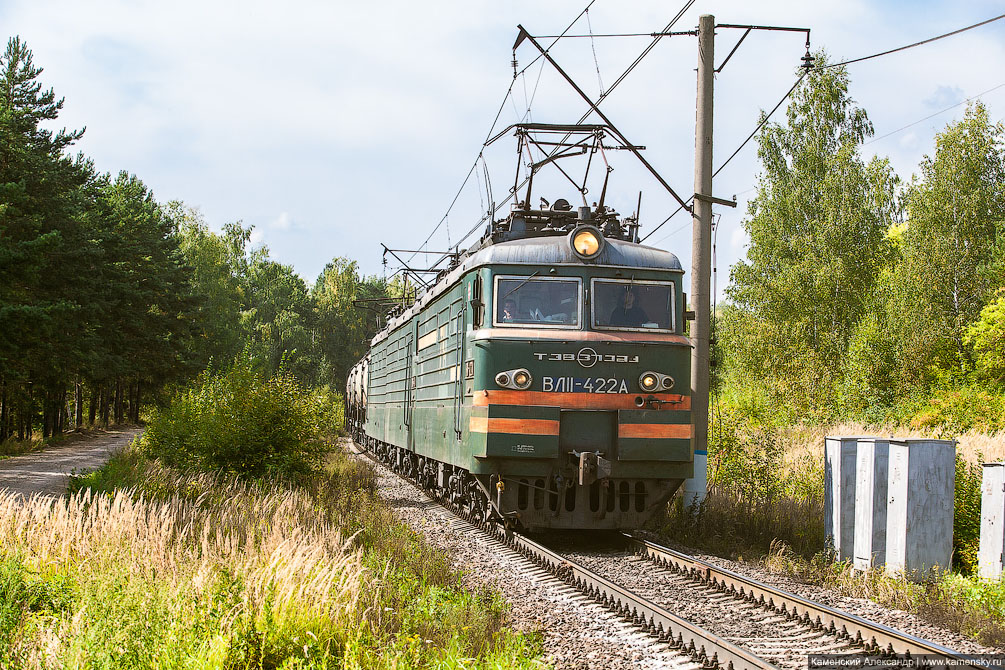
(186, 570)
(242, 422)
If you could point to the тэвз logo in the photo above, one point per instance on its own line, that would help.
(587, 357)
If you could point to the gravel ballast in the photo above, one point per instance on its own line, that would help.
(577, 633)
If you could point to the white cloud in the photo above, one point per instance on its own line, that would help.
(282, 222)
(368, 115)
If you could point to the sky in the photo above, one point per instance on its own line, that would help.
(333, 127)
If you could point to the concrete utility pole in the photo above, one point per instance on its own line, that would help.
(701, 246)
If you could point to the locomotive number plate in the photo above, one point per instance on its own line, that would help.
(584, 385)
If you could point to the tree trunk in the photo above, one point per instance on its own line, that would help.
(4, 411)
(134, 403)
(118, 400)
(29, 413)
(105, 405)
(92, 410)
(78, 404)
(46, 416)
(63, 413)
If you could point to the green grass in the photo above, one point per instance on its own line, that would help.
(210, 571)
(765, 503)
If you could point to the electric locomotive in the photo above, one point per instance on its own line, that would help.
(543, 380)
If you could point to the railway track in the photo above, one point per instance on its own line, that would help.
(867, 635)
(733, 622)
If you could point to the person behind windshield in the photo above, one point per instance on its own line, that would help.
(628, 314)
(508, 311)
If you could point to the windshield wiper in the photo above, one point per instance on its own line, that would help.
(519, 286)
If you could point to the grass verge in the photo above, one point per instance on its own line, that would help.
(968, 605)
(145, 567)
(765, 504)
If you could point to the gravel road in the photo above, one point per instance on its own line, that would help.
(48, 471)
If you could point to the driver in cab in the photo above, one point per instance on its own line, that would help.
(508, 314)
(628, 314)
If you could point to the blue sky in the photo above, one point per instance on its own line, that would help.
(334, 126)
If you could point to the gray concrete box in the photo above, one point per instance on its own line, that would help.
(992, 547)
(871, 469)
(919, 519)
(839, 494)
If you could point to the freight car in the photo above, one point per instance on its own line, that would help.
(543, 381)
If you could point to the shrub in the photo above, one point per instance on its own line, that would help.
(967, 514)
(753, 498)
(960, 408)
(240, 421)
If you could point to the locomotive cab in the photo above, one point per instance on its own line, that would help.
(544, 380)
(579, 393)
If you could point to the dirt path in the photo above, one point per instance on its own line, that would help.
(48, 471)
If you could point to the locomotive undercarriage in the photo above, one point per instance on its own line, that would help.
(529, 503)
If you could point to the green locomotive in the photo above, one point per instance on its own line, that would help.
(543, 381)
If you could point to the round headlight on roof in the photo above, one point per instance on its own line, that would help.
(587, 241)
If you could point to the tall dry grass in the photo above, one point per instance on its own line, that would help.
(291, 565)
(201, 571)
(807, 441)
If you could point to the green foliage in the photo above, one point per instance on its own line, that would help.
(970, 605)
(869, 374)
(986, 338)
(24, 595)
(343, 332)
(967, 515)
(956, 211)
(215, 281)
(244, 422)
(818, 241)
(956, 407)
(743, 459)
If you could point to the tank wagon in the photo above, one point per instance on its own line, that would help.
(543, 380)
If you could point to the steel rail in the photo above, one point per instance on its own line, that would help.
(873, 636)
(704, 647)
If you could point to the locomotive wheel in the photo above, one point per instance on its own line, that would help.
(478, 505)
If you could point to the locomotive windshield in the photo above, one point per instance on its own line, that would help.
(632, 305)
(540, 301)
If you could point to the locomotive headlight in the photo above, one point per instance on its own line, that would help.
(649, 381)
(518, 379)
(667, 382)
(587, 241)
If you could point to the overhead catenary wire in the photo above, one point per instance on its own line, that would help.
(916, 44)
(488, 135)
(596, 62)
(760, 125)
(656, 38)
(831, 65)
(930, 116)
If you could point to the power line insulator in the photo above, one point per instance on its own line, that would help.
(807, 60)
